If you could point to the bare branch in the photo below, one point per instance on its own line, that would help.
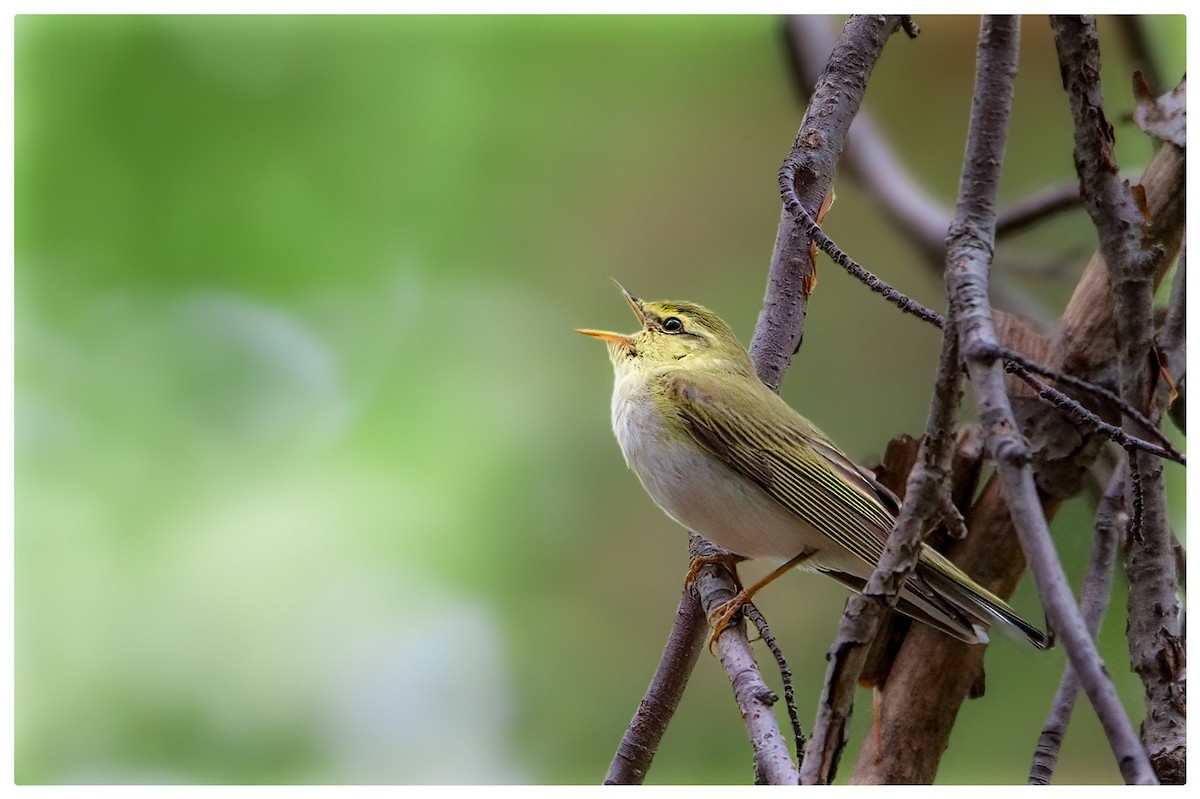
(1094, 596)
(1082, 414)
(772, 762)
(1110, 520)
(968, 284)
(1016, 359)
(808, 170)
(777, 336)
(785, 674)
(645, 731)
(931, 673)
(1154, 624)
(871, 161)
(869, 158)
(926, 498)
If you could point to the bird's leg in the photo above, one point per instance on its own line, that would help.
(726, 611)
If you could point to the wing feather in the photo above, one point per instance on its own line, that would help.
(758, 435)
(789, 459)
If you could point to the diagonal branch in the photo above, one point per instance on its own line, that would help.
(1154, 630)
(777, 337)
(645, 731)
(967, 280)
(1094, 596)
(805, 178)
(925, 499)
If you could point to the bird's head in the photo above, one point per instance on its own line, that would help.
(674, 333)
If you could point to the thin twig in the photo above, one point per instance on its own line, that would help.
(1094, 597)
(1015, 358)
(1081, 414)
(785, 675)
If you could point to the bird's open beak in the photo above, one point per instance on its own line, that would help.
(617, 338)
(611, 338)
(634, 303)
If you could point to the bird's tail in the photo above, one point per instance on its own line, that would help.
(979, 606)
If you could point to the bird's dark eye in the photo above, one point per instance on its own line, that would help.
(672, 325)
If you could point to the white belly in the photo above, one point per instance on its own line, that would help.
(706, 496)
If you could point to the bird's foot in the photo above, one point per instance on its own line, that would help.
(726, 613)
(726, 560)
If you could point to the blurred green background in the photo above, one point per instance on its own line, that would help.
(315, 483)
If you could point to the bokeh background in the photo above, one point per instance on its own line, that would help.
(314, 482)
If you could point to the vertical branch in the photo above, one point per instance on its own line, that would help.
(1155, 647)
(1094, 596)
(810, 167)
(926, 498)
(932, 674)
(777, 337)
(968, 278)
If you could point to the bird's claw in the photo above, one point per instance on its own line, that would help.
(725, 614)
(726, 560)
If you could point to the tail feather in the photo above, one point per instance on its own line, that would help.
(944, 597)
(973, 599)
(919, 601)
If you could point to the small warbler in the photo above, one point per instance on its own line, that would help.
(725, 456)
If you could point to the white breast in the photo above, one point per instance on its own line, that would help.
(702, 493)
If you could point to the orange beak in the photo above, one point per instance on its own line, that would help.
(617, 338)
(611, 338)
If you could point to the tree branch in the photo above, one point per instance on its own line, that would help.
(1094, 596)
(932, 674)
(926, 498)
(805, 179)
(871, 161)
(777, 337)
(968, 281)
(1155, 648)
(645, 731)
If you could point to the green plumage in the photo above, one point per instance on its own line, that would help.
(726, 456)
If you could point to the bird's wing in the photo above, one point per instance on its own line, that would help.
(757, 435)
(855, 475)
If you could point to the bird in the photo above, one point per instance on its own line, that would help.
(725, 456)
